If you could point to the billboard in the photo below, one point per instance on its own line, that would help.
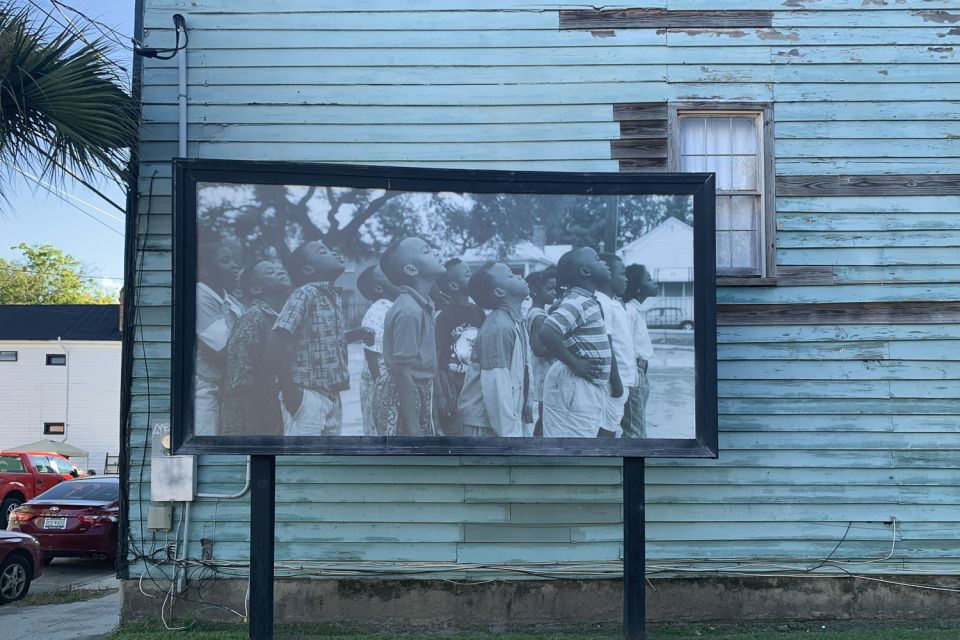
(337, 309)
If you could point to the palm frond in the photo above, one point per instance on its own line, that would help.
(62, 111)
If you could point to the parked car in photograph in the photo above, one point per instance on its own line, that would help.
(75, 518)
(24, 475)
(21, 562)
(668, 318)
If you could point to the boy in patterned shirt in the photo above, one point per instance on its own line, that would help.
(251, 404)
(459, 320)
(311, 342)
(575, 387)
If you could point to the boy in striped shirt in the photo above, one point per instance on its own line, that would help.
(576, 386)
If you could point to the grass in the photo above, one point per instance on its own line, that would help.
(62, 596)
(847, 630)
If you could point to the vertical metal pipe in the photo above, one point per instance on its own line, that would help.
(262, 519)
(182, 87)
(184, 549)
(634, 550)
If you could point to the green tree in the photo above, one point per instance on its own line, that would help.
(47, 275)
(63, 110)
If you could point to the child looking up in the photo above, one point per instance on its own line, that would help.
(621, 340)
(575, 387)
(373, 286)
(543, 292)
(495, 391)
(640, 286)
(251, 404)
(217, 311)
(403, 394)
(458, 318)
(310, 341)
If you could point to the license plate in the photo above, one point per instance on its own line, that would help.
(54, 523)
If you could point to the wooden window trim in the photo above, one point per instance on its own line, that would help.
(768, 273)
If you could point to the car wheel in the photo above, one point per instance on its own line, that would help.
(686, 325)
(9, 505)
(14, 579)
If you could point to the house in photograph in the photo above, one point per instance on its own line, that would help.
(523, 257)
(831, 131)
(60, 381)
(667, 253)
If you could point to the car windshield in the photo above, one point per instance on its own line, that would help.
(83, 490)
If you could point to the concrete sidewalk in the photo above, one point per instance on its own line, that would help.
(88, 620)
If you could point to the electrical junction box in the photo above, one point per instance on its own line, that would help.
(172, 478)
(160, 518)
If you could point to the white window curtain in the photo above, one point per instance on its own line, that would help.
(729, 146)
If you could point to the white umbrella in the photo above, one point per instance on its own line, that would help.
(49, 446)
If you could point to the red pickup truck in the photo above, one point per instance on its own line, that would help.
(26, 475)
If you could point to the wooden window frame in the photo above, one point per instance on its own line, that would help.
(768, 228)
(6, 352)
(47, 428)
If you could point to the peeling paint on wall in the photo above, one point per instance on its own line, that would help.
(940, 17)
(773, 34)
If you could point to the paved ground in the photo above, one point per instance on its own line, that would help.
(76, 573)
(86, 620)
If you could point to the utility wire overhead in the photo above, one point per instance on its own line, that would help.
(67, 194)
(60, 192)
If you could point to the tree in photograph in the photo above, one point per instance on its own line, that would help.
(269, 221)
(63, 110)
(47, 275)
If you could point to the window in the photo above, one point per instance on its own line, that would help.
(56, 359)
(92, 490)
(11, 464)
(63, 467)
(735, 145)
(8, 356)
(41, 464)
(54, 429)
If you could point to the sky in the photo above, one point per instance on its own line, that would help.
(78, 221)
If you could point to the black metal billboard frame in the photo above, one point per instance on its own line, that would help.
(187, 174)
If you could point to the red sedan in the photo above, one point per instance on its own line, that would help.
(21, 561)
(75, 518)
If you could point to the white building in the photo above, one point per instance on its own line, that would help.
(667, 253)
(60, 378)
(523, 257)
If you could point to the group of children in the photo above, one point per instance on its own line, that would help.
(448, 351)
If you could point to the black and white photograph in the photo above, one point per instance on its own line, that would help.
(338, 311)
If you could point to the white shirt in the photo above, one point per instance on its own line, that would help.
(373, 319)
(621, 337)
(641, 337)
(216, 315)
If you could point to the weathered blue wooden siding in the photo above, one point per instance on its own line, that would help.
(827, 432)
